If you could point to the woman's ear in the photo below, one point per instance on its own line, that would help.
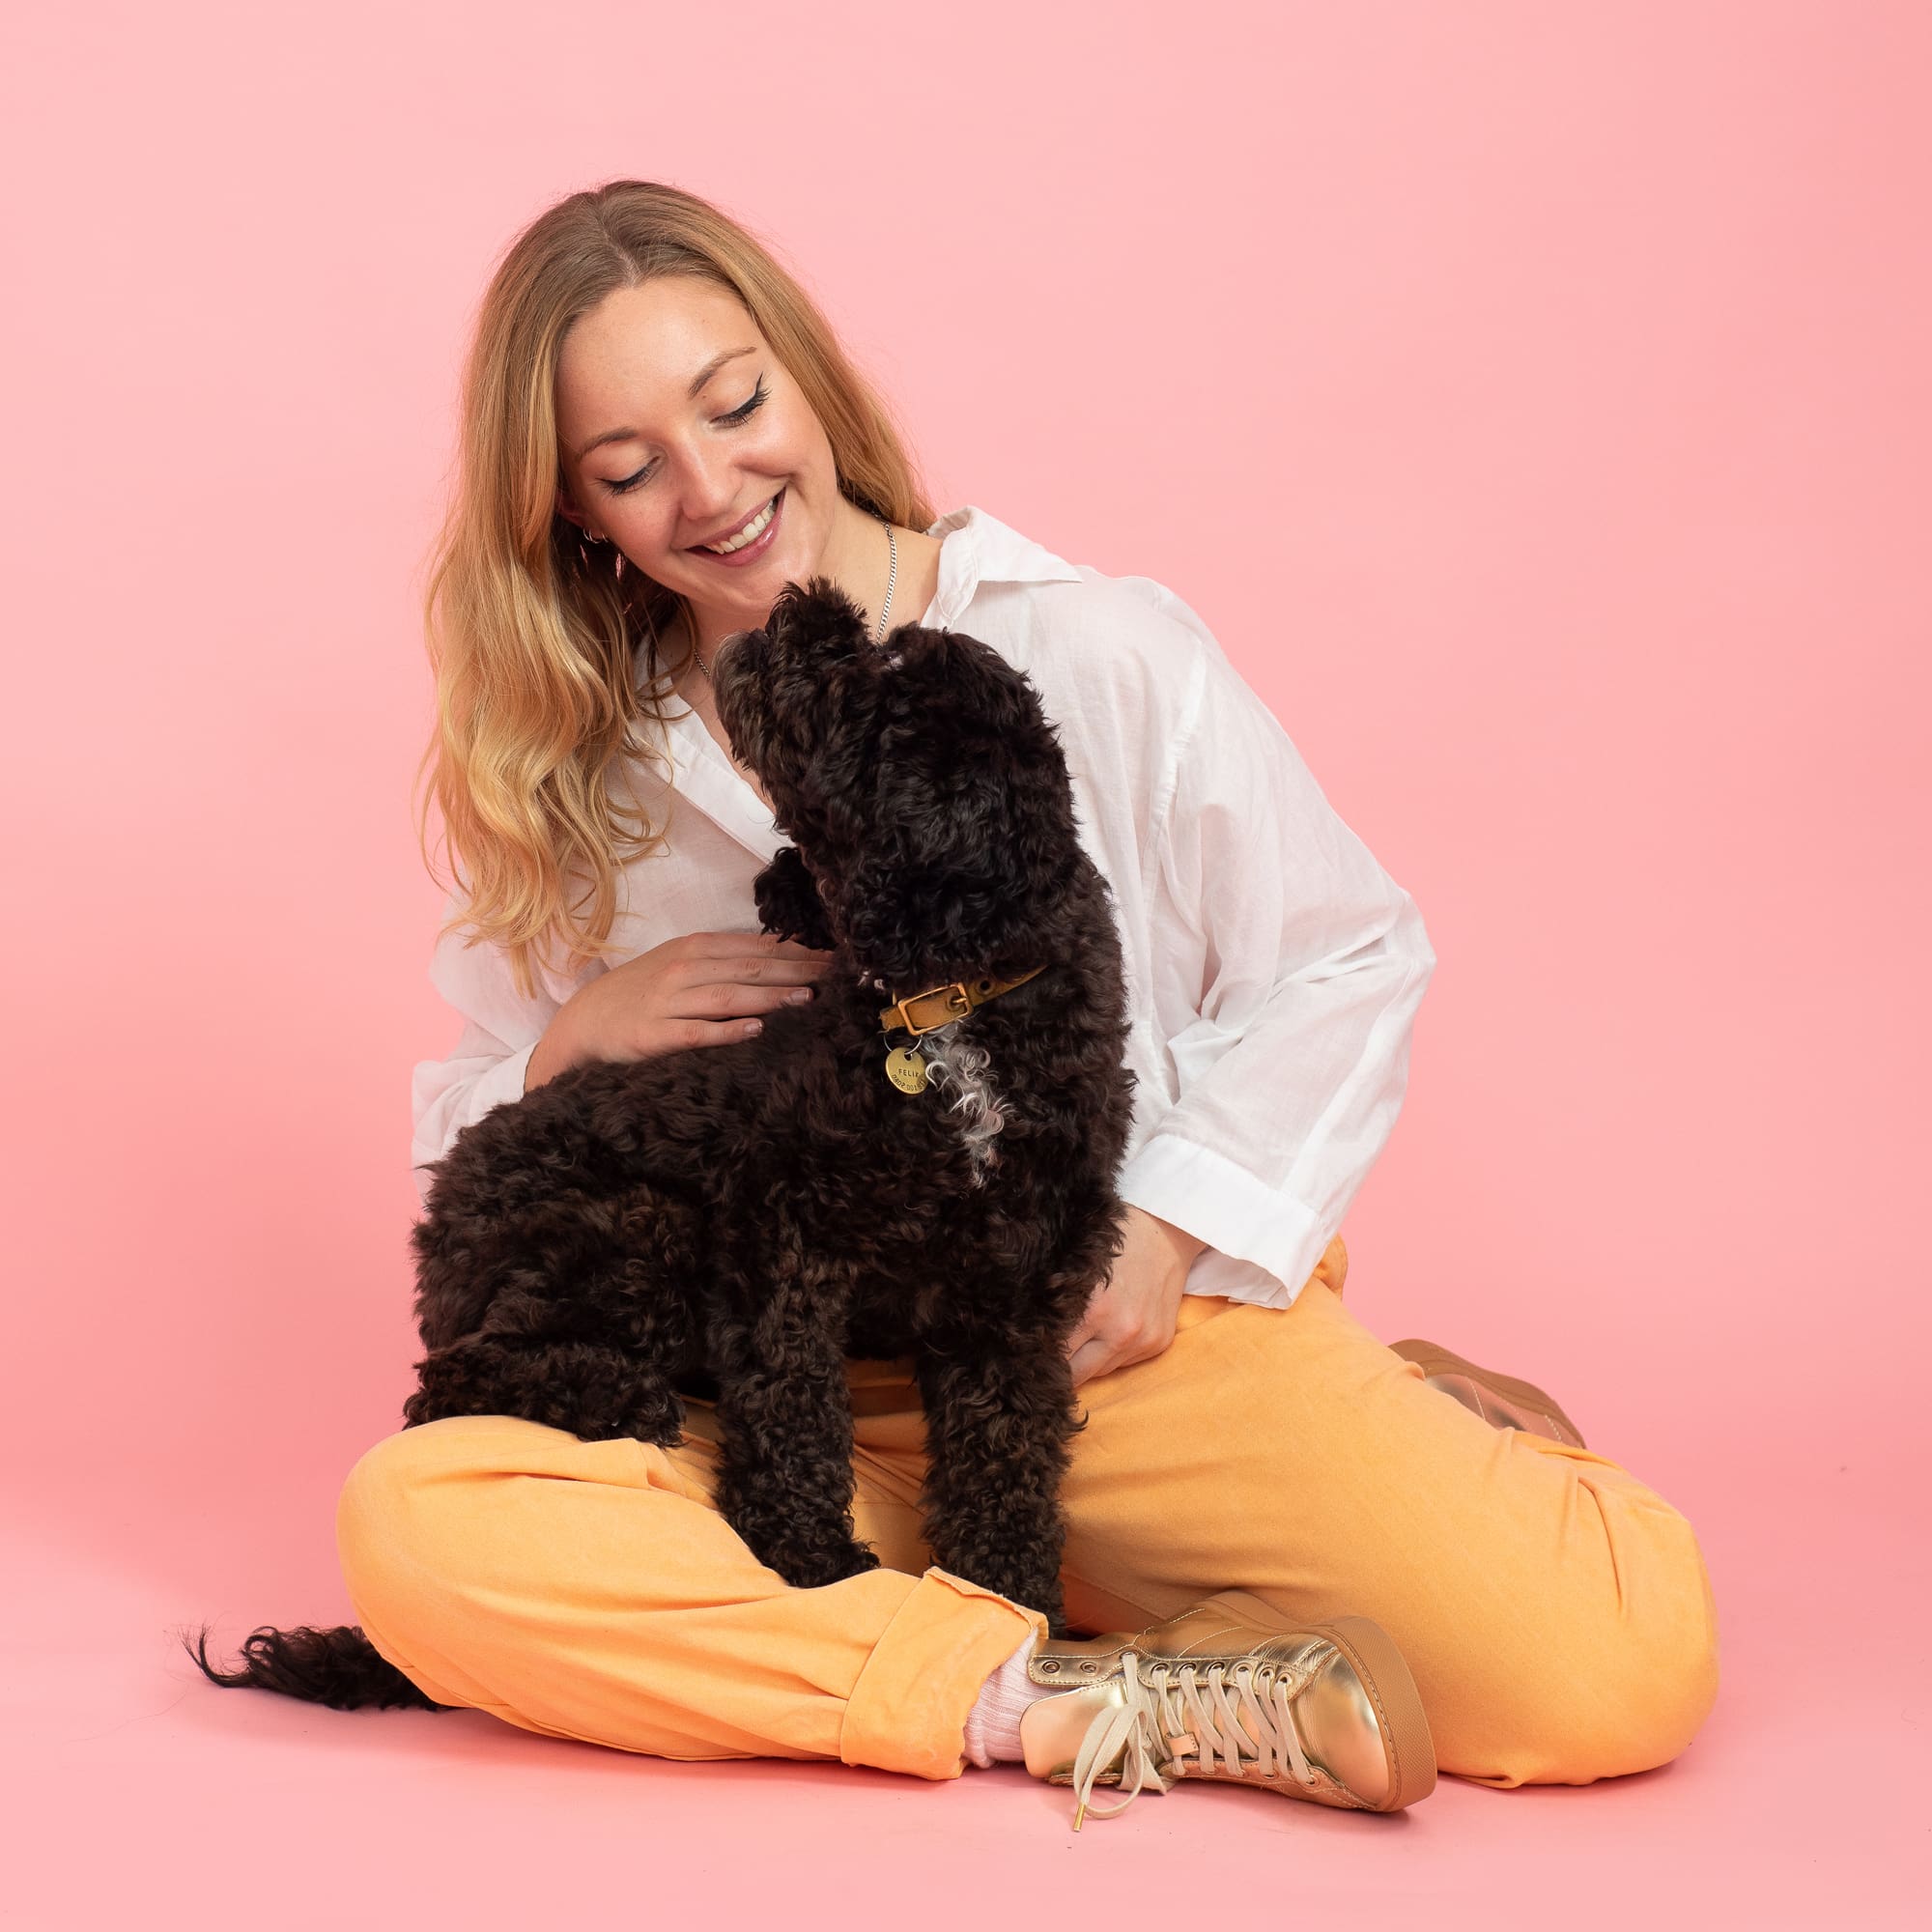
(569, 511)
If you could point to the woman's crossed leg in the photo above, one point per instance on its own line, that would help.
(1556, 1612)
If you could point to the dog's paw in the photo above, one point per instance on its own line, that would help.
(1036, 1593)
(1027, 1584)
(787, 899)
(814, 1568)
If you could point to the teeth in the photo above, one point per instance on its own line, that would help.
(751, 533)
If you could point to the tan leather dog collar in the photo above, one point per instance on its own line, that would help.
(940, 1006)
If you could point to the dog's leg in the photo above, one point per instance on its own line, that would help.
(784, 1480)
(998, 1420)
(788, 902)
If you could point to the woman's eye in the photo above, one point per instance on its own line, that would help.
(742, 414)
(749, 407)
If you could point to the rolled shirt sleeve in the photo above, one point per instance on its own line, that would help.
(492, 1056)
(1289, 968)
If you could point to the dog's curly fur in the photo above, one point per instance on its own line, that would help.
(738, 1219)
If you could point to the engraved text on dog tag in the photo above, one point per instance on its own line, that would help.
(905, 1069)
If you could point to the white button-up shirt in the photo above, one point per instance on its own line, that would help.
(1273, 969)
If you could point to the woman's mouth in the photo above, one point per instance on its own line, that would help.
(752, 541)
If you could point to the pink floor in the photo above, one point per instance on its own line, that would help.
(139, 1794)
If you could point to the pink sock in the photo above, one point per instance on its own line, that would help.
(993, 1724)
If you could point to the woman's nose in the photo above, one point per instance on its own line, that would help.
(712, 489)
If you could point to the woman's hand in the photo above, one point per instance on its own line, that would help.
(1133, 1312)
(695, 990)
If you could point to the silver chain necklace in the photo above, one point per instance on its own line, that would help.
(885, 609)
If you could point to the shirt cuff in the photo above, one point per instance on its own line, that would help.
(1263, 1245)
(490, 1089)
(503, 1082)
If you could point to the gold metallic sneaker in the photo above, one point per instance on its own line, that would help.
(1233, 1691)
(1501, 1399)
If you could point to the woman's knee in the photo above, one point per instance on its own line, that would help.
(1618, 1684)
(1665, 1678)
(477, 1503)
(385, 1502)
(404, 1516)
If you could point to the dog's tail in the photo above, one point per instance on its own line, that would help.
(337, 1667)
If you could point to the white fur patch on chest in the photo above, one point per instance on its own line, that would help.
(963, 1070)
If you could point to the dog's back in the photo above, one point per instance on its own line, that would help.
(666, 1186)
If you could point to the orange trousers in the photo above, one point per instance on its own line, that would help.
(1555, 1611)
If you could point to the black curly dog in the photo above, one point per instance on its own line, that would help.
(736, 1220)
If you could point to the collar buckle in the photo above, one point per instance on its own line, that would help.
(959, 999)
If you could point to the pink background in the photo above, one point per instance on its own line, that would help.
(1535, 401)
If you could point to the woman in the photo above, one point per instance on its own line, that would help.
(1327, 1570)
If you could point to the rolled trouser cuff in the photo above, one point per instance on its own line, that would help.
(908, 1709)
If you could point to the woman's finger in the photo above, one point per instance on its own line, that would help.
(1086, 1329)
(713, 945)
(1090, 1359)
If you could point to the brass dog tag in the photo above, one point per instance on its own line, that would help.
(905, 1069)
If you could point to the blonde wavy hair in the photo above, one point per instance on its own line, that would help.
(532, 633)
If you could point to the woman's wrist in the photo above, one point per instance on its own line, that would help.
(1185, 1246)
(546, 1061)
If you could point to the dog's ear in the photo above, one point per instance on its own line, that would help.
(971, 820)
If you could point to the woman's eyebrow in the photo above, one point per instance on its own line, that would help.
(698, 383)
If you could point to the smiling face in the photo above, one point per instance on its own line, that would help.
(677, 423)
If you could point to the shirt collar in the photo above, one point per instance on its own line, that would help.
(977, 548)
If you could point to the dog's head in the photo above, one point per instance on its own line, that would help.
(920, 779)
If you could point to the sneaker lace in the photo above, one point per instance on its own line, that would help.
(1185, 1711)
